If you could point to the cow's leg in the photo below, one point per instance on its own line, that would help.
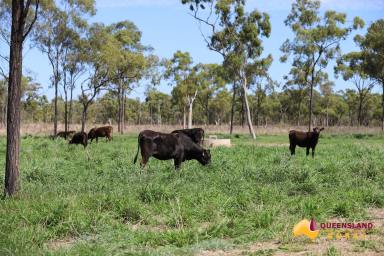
(178, 162)
(313, 152)
(143, 162)
(292, 148)
(307, 151)
(145, 154)
(97, 139)
(144, 159)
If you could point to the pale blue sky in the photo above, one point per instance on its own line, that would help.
(167, 27)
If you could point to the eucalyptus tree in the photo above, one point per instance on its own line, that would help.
(131, 64)
(73, 68)
(209, 80)
(235, 35)
(99, 54)
(24, 15)
(180, 70)
(351, 67)
(316, 41)
(56, 31)
(372, 50)
(326, 90)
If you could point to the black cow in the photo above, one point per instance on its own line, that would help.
(196, 134)
(164, 146)
(304, 139)
(80, 138)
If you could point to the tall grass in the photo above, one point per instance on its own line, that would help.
(101, 203)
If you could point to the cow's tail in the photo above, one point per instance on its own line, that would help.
(138, 146)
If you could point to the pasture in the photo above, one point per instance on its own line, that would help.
(245, 202)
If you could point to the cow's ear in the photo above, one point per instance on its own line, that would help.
(322, 128)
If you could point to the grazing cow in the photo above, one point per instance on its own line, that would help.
(64, 134)
(80, 138)
(196, 134)
(304, 139)
(164, 146)
(105, 131)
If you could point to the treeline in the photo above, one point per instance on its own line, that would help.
(268, 106)
(105, 62)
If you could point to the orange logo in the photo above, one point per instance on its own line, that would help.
(306, 228)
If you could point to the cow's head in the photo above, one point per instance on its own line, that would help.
(91, 133)
(317, 130)
(205, 157)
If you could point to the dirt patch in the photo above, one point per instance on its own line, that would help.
(149, 228)
(61, 243)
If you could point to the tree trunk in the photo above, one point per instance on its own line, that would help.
(359, 114)
(191, 100)
(310, 108)
(84, 118)
(66, 113)
(55, 111)
(65, 104)
(242, 110)
(122, 111)
(245, 98)
(70, 104)
(190, 109)
(184, 118)
(14, 94)
(233, 108)
(119, 108)
(158, 113)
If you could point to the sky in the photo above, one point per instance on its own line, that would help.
(167, 27)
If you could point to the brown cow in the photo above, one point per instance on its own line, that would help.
(304, 139)
(80, 138)
(105, 131)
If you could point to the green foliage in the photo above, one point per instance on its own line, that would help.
(316, 42)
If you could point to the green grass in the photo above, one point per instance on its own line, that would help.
(107, 205)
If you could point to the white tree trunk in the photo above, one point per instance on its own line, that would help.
(249, 120)
(191, 99)
(184, 118)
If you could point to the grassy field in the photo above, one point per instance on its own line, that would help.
(245, 202)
